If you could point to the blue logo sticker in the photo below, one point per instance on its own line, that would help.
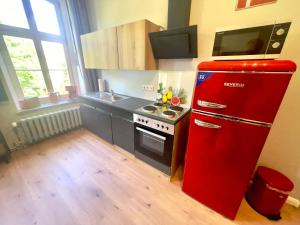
(202, 76)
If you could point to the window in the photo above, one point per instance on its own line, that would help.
(26, 64)
(43, 11)
(32, 43)
(12, 13)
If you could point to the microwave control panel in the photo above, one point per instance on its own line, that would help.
(278, 37)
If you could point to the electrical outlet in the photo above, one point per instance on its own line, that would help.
(147, 87)
(150, 88)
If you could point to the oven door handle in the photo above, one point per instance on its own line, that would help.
(150, 133)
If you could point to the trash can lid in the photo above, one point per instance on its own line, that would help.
(275, 179)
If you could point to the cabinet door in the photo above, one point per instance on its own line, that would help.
(97, 121)
(123, 133)
(100, 49)
(220, 159)
(134, 46)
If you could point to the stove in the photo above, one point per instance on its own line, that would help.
(159, 110)
(159, 116)
(160, 132)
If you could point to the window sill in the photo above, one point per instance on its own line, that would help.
(46, 106)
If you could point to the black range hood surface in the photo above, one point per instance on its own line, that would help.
(180, 40)
(177, 43)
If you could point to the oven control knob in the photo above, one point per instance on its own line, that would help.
(167, 128)
(162, 126)
(147, 121)
(157, 125)
(139, 119)
(275, 44)
(280, 32)
(143, 121)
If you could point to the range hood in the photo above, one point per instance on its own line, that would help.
(179, 40)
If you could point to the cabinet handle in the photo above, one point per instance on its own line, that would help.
(211, 104)
(201, 123)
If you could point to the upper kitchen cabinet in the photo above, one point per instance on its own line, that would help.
(134, 48)
(100, 49)
(124, 47)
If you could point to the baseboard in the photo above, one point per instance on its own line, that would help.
(293, 201)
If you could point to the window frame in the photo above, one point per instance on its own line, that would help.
(37, 37)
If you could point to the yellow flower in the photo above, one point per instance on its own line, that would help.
(169, 95)
(164, 99)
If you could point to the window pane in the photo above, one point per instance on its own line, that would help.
(45, 16)
(55, 55)
(22, 53)
(32, 83)
(59, 79)
(56, 61)
(12, 13)
(27, 66)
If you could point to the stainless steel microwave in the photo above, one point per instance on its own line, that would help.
(259, 42)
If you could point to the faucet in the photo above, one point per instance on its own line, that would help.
(112, 92)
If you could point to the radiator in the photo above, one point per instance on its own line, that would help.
(36, 128)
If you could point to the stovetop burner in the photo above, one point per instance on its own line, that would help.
(149, 108)
(164, 111)
(168, 113)
(177, 109)
(158, 104)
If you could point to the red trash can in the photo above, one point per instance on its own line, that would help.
(268, 192)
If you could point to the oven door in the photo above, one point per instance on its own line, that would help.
(154, 144)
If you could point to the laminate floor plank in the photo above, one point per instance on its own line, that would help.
(79, 179)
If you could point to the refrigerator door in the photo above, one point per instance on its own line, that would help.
(221, 157)
(253, 96)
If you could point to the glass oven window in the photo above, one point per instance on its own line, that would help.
(153, 144)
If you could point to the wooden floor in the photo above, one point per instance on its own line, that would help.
(77, 179)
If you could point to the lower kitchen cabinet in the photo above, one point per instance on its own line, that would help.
(97, 121)
(123, 133)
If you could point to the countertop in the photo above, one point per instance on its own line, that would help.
(129, 104)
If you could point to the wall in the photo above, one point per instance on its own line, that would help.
(107, 13)
(282, 149)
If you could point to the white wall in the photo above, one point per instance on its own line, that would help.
(282, 149)
(107, 13)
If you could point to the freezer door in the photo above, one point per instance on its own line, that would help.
(254, 96)
(221, 157)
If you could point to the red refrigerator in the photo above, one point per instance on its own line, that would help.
(233, 107)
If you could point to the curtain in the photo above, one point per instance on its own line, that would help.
(79, 19)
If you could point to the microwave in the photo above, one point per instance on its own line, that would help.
(259, 42)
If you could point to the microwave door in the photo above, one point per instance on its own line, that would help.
(249, 42)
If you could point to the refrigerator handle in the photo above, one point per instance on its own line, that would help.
(201, 123)
(210, 104)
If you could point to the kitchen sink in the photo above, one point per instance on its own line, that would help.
(107, 97)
